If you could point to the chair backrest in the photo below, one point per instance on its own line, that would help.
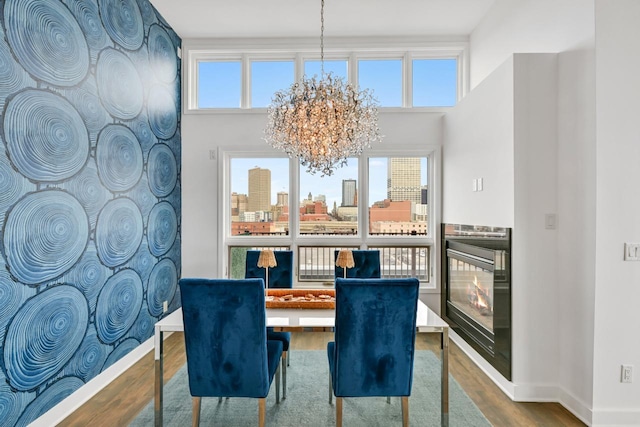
(367, 265)
(280, 276)
(225, 337)
(375, 334)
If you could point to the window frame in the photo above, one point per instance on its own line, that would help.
(272, 50)
(362, 239)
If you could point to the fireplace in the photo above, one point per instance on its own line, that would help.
(476, 289)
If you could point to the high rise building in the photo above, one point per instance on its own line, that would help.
(259, 190)
(403, 179)
(283, 198)
(349, 192)
(238, 204)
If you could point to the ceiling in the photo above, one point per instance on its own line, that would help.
(301, 18)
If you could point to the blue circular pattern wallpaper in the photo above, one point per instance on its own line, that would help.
(90, 211)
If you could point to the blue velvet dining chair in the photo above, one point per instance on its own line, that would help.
(228, 353)
(280, 276)
(367, 265)
(375, 331)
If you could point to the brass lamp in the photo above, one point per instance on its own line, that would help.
(345, 260)
(266, 259)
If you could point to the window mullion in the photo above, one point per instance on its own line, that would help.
(407, 81)
(245, 102)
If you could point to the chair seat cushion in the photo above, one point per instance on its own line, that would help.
(283, 337)
(274, 353)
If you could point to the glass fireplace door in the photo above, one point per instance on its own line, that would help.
(471, 288)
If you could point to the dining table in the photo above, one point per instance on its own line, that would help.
(306, 320)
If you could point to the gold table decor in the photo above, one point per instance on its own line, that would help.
(300, 298)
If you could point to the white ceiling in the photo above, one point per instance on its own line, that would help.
(301, 18)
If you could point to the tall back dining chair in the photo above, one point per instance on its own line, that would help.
(228, 353)
(374, 346)
(367, 265)
(280, 276)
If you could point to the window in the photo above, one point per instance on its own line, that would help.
(220, 84)
(435, 82)
(329, 204)
(259, 198)
(398, 196)
(428, 77)
(374, 202)
(268, 77)
(384, 77)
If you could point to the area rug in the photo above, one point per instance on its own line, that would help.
(307, 402)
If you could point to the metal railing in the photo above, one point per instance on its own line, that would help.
(317, 263)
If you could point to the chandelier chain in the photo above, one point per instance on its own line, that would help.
(322, 38)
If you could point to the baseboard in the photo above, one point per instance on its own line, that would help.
(527, 392)
(65, 408)
(616, 418)
(578, 408)
(503, 384)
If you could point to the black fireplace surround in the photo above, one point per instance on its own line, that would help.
(476, 289)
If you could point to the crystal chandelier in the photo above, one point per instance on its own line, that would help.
(322, 122)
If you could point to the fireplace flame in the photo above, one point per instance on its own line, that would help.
(481, 297)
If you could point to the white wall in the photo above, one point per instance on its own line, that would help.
(534, 304)
(505, 132)
(576, 227)
(617, 292)
(478, 135)
(526, 26)
(598, 153)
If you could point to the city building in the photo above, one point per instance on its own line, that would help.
(349, 192)
(259, 189)
(403, 179)
(283, 198)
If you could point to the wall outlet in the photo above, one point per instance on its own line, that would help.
(165, 306)
(626, 374)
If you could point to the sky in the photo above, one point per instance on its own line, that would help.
(434, 81)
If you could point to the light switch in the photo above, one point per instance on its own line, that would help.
(550, 221)
(474, 185)
(480, 184)
(632, 251)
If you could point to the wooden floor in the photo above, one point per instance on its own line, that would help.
(119, 403)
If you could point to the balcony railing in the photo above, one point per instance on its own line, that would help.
(316, 263)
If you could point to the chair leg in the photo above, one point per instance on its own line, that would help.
(338, 411)
(288, 357)
(220, 399)
(262, 411)
(278, 384)
(284, 375)
(388, 400)
(405, 411)
(330, 390)
(195, 416)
